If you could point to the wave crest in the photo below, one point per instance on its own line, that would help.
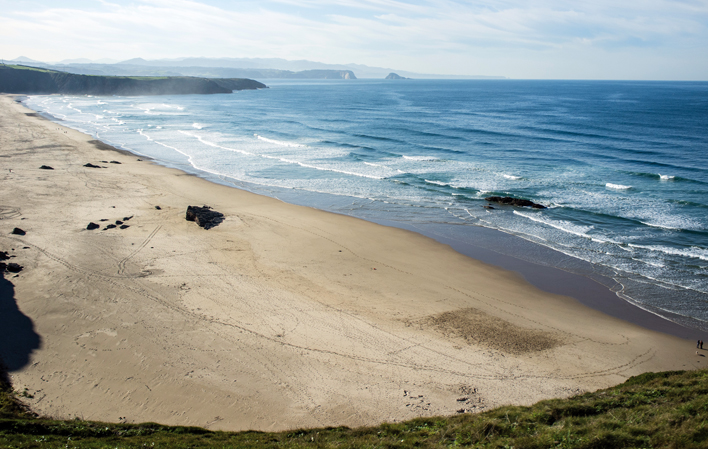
(609, 185)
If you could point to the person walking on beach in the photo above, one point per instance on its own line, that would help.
(701, 344)
(698, 344)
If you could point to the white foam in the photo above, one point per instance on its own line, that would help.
(280, 142)
(140, 131)
(197, 126)
(662, 226)
(512, 177)
(438, 183)
(302, 164)
(420, 158)
(609, 185)
(561, 225)
(212, 144)
(666, 177)
(694, 252)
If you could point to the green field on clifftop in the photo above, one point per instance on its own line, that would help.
(654, 410)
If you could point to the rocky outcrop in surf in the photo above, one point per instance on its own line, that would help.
(514, 202)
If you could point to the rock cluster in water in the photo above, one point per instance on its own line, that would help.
(514, 202)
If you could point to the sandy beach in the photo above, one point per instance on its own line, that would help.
(280, 317)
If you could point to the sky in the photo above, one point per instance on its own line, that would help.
(526, 39)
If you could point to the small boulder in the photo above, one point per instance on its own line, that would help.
(18, 231)
(90, 165)
(118, 222)
(158, 208)
(46, 167)
(115, 162)
(124, 227)
(110, 226)
(204, 216)
(91, 226)
(14, 267)
(127, 218)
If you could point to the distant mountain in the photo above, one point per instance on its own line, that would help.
(87, 61)
(31, 80)
(395, 76)
(361, 71)
(257, 68)
(141, 69)
(22, 59)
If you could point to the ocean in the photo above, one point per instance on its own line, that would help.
(622, 166)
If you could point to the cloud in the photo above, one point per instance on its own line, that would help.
(364, 31)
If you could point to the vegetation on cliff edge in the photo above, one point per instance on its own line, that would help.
(20, 79)
(654, 410)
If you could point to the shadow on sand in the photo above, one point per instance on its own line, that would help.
(18, 338)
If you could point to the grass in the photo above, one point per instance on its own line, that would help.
(654, 410)
(24, 67)
(37, 69)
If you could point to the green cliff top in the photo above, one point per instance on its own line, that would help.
(654, 410)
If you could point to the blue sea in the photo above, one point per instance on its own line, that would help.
(622, 166)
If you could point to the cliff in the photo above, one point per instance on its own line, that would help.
(29, 80)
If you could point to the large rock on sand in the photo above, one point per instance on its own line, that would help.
(514, 202)
(204, 216)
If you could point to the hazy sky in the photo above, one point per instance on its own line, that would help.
(599, 39)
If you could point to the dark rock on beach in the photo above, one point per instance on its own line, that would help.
(18, 231)
(110, 226)
(115, 162)
(127, 218)
(514, 202)
(158, 208)
(13, 267)
(90, 165)
(204, 216)
(91, 226)
(46, 167)
(124, 226)
(4, 255)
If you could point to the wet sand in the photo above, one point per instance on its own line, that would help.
(280, 317)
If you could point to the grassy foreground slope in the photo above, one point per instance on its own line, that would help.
(654, 410)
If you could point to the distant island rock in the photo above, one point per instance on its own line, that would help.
(18, 79)
(395, 76)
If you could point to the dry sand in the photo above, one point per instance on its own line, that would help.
(280, 317)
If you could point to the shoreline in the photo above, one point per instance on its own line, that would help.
(280, 317)
(590, 292)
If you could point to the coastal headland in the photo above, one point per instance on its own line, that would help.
(32, 80)
(278, 317)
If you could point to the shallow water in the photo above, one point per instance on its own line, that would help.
(623, 166)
